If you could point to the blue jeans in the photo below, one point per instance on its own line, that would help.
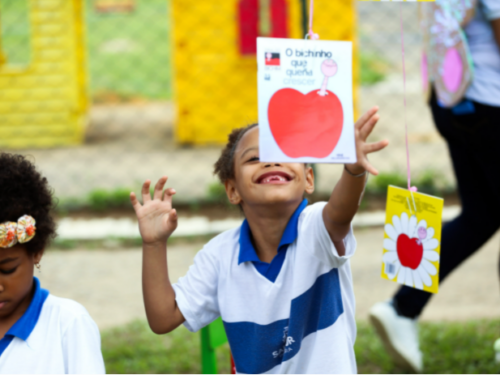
(473, 137)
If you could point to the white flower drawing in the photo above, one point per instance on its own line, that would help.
(410, 251)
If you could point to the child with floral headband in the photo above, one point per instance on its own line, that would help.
(282, 281)
(39, 333)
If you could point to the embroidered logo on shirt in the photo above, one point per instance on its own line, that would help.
(287, 340)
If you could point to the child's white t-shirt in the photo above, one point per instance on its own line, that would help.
(65, 340)
(302, 323)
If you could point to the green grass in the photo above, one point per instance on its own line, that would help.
(97, 200)
(135, 349)
(429, 182)
(102, 199)
(373, 69)
(448, 348)
(216, 192)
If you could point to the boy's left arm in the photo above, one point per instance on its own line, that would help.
(345, 198)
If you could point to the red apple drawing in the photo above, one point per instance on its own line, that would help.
(410, 251)
(307, 125)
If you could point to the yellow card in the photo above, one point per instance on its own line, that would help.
(412, 239)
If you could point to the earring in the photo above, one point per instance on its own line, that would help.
(38, 266)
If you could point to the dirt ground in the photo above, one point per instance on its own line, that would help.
(108, 282)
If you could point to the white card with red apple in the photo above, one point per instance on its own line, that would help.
(305, 101)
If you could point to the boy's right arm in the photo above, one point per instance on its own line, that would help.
(157, 221)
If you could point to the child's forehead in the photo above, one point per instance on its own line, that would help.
(11, 253)
(249, 140)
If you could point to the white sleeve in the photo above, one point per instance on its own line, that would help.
(491, 9)
(317, 239)
(82, 347)
(196, 293)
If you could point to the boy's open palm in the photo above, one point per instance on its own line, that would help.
(363, 129)
(157, 219)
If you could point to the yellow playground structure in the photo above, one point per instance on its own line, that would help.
(215, 68)
(43, 101)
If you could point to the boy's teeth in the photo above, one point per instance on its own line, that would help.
(274, 178)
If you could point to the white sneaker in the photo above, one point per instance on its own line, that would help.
(399, 335)
(496, 347)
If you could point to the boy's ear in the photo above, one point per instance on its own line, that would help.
(232, 193)
(309, 180)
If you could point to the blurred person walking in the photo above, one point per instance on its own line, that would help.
(472, 132)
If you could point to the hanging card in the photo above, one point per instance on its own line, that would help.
(412, 239)
(305, 101)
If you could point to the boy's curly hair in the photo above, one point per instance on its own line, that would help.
(23, 191)
(224, 167)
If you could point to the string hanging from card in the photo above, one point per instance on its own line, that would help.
(408, 172)
(311, 34)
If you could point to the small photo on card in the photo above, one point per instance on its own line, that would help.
(305, 101)
(412, 239)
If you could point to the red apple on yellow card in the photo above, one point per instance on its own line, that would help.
(412, 239)
(305, 101)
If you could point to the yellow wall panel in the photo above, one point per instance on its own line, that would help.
(215, 87)
(38, 118)
(44, 103)
(336, 20)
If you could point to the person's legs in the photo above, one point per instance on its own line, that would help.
(473, 144)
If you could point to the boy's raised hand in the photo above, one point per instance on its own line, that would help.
(362, 129)
(157, 218)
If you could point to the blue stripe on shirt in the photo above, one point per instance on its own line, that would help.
(258, 348)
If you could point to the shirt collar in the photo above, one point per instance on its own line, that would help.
(247, 251)
(25, 325)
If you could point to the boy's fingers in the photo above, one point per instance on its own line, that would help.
(167, 195)
(173, 215)
(374, 147)
(159, 187)
(135, 202)
(172, 218)
(146, 196)
(369, 168)
(367, 128)
(363, 119)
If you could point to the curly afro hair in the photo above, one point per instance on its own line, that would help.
(224, 167)
(23, 191)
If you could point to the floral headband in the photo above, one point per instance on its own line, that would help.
(22, 231)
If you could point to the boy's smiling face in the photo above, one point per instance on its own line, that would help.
(258, 183)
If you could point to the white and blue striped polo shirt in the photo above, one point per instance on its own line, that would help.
(299, 319)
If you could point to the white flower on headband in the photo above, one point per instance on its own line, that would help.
(22, 231)
(8, 234)
(25, 228)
